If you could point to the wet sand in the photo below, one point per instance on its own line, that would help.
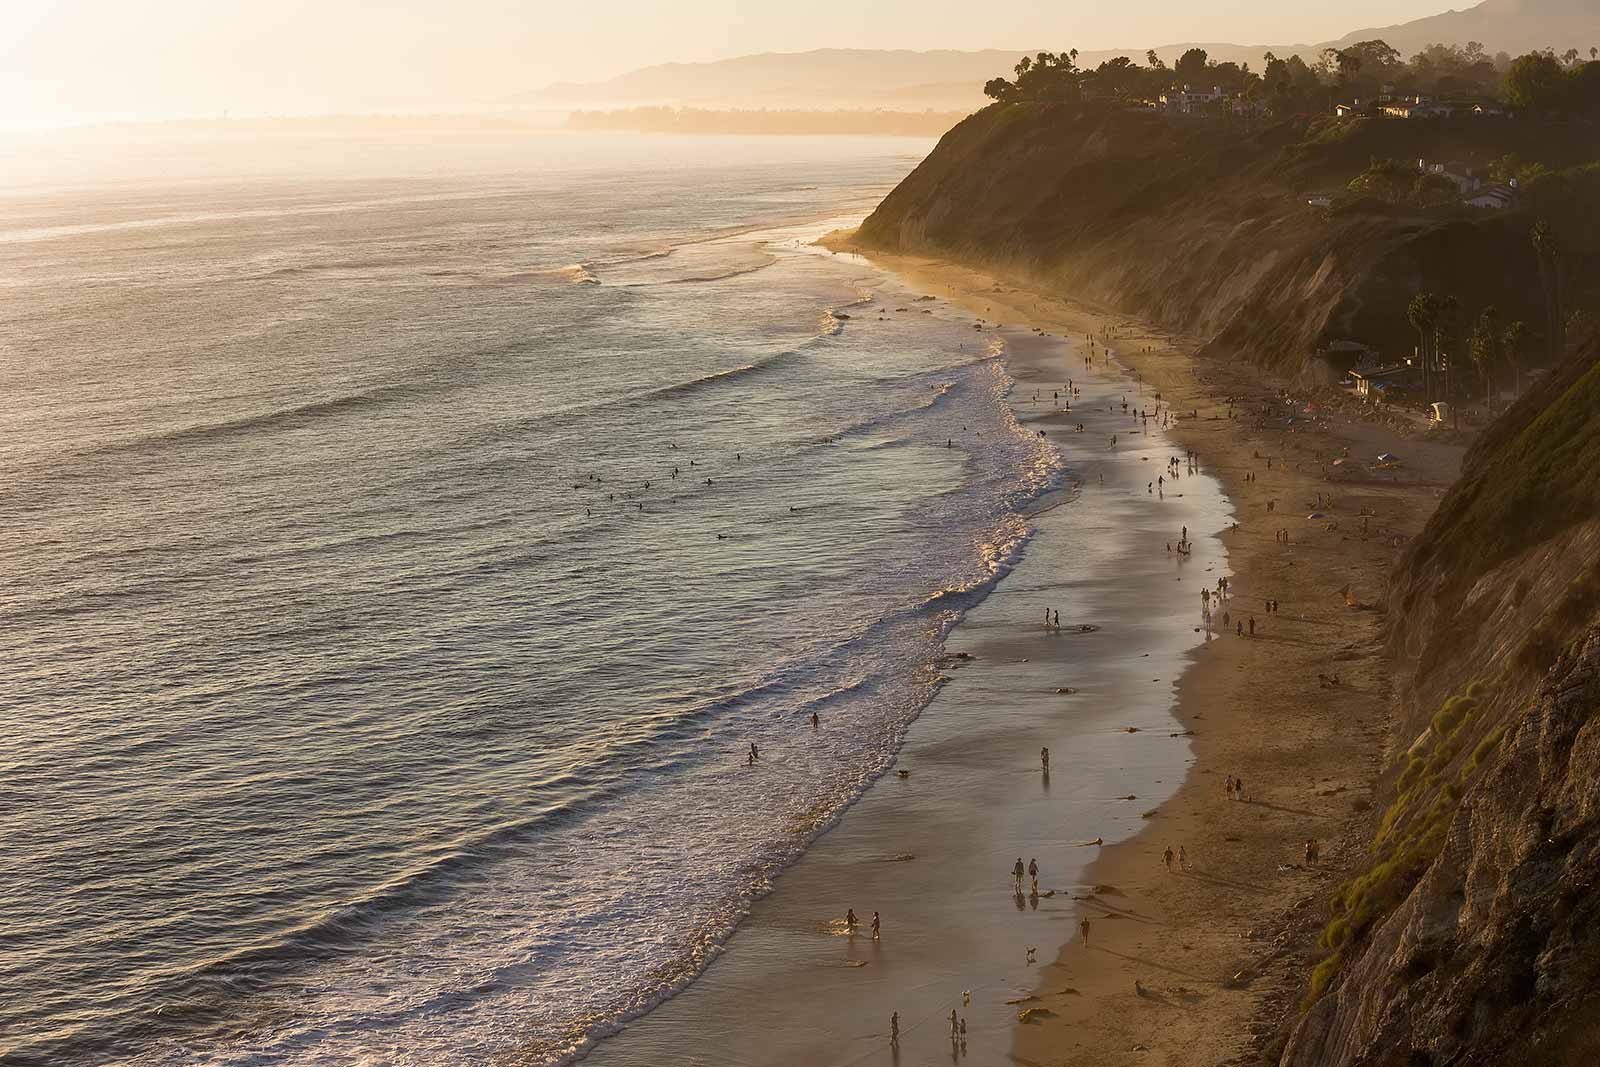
(933, 851)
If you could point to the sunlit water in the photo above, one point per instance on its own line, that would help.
(373, 691)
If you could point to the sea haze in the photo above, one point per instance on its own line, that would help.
(375, 692)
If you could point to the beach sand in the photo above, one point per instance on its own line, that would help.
(1144, 717)
(1220, 951)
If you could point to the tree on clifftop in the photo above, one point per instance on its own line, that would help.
(1536, 82)
(1046, 76)
(1191, 67)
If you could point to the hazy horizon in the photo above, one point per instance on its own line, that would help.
(70, 62)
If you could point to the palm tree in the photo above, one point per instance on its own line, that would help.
(1548, 250)
(1448, 311)
(1420, 314)
(1486, 349)
(1511, 351)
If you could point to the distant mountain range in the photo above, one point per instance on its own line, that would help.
(856, 78)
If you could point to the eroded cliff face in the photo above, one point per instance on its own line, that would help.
(1472, 935)
(1494, 958)
(1205, 230)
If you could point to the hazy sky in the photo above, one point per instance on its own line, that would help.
(76, 60)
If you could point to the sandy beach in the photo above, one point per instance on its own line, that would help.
(1195, 965)
(1145, 715)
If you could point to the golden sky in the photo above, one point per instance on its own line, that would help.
(64, 61)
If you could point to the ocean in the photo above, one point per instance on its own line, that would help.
(407, 540)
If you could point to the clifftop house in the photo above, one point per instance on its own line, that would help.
(1458, 174)
(1189, 100)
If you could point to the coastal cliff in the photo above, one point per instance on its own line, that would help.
(1207, 228)
(1472, 935)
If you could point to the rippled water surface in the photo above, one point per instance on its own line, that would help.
(404, 545)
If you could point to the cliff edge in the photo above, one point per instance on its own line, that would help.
(1209, 229)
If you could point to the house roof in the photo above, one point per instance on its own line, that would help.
(1398, 371)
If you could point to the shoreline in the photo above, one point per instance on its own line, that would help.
(1198, 966)
(934, 850)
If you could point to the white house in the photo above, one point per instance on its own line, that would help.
(1417, 107)
(1188, 100)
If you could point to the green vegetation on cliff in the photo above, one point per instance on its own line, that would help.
(1534, 475)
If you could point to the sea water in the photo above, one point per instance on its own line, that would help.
(405, 543)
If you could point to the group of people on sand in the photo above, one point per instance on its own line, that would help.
(851, 922)
(1233, 789)
(1052, 623)
(1032, 870)
(1182, 858)
(958, 1027)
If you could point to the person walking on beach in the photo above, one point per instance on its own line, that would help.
(1083, 929)
(1018, 871)
(1033, 873)
(1238, 789)
(815, 722)
(850, 919)
(755, 753)
(1227, 788)
(955, 1029)
(1252, 626)
(1166, 857)
(876, 929)
(894, 1029)
(1044, 759)
(1058, 620)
